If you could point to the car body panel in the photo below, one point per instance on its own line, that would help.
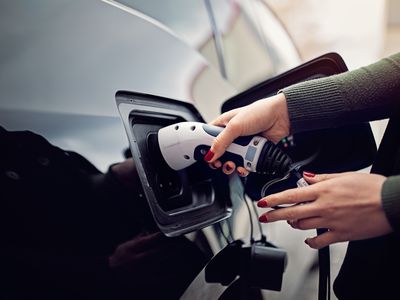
(61, 63)
(71, 57)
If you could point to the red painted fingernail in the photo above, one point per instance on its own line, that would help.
(209, 155)
(308, 174)
(263, 218)
(262, 203)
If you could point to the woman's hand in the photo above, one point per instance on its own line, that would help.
(347, 204)
(268, 117)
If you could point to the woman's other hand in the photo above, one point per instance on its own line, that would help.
(348, 205)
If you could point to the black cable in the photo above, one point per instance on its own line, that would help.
(251, 218)
(223, 233)
(275, 161)
(324, 286)
(230, 230)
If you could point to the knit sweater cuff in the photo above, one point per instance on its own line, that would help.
(391, 201)
(314, 104)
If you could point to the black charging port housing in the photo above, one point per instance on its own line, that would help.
(180, 201)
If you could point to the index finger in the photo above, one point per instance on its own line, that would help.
(223, 140)
(224, 118)
(292, 196)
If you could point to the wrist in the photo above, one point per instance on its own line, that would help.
(282, 104)
(282, 121)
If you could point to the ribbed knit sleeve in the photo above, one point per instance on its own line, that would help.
(391, 201)
(365, 94)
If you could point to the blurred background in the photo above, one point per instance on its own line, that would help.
(362, 32)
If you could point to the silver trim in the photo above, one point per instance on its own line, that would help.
(141, 15)
(217, 37)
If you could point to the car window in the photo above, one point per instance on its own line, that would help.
(245, 57)
(187, 19)
(274, 35)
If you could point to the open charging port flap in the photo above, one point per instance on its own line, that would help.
(180, 201)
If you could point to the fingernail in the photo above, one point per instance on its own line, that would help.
(262, 203)
(209, 155)
(306, 241)
(263, 218)
(308, 174)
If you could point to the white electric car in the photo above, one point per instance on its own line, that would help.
(62, 62)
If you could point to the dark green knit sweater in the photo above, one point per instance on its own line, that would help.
(366, 94)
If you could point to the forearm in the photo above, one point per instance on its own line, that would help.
(365, 94)
(391, 201)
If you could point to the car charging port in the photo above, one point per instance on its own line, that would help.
(168, 182)
(180, 201)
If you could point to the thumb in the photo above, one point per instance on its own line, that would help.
(221, 142)
(323, 240)
(314, 178)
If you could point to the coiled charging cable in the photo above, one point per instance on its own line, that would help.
(324, 253)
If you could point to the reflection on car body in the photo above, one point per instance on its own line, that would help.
(62, 62)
